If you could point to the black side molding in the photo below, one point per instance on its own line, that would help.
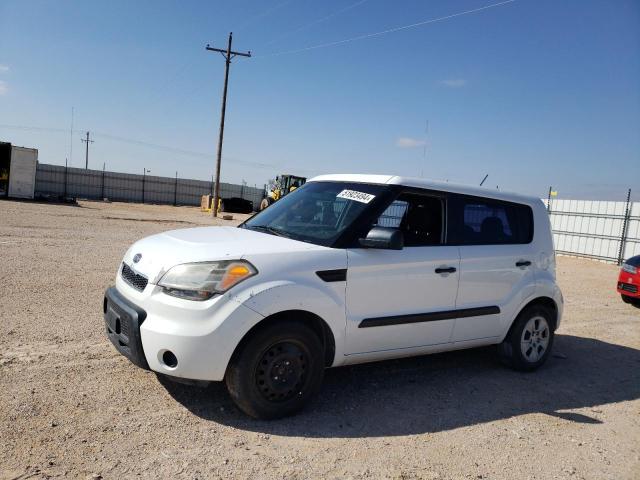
(428, 317)
(339, 275)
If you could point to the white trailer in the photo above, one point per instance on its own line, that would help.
(22, 172)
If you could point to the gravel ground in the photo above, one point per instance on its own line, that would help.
(71, 406)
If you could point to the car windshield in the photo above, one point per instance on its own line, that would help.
(317, 212)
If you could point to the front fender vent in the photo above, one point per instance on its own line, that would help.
(339, 275)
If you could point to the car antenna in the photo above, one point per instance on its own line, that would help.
(485, 177)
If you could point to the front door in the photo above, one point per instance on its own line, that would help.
(399, 299)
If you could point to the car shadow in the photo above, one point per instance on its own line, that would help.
(441, 392)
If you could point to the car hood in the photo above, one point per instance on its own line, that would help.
(158, 253)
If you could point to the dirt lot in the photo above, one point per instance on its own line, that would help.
(71, 406)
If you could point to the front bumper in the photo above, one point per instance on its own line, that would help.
(122, 319)
(629, 284)
(628, 289)
(181, 338)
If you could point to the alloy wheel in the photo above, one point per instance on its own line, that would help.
(535, 339)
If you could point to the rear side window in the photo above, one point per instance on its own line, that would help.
(481, 221)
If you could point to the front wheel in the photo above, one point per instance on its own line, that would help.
(631, 300)
(277, 371)
(529, 342)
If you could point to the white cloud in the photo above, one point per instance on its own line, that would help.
(4, 68)
(408, 142)
(454, 83)
(4, 88)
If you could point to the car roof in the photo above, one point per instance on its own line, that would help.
(427, 184)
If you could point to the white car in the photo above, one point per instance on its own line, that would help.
(346, 269)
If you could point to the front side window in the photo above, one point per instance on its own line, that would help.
(317, 212)
(419, 217)
(479, 221)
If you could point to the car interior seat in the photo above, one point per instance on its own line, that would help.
(492, 229)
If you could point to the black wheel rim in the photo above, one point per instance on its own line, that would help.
(281, 371)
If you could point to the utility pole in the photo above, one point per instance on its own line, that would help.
(86, 158)
(71, 139)
(228, 54)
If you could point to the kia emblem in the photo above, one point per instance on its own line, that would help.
(137, 257)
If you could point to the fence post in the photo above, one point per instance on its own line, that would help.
(103, 167)
(175, 191)
(65, 178)
(625, 223)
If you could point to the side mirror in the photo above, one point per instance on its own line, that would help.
(384, 238)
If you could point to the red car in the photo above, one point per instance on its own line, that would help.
(629, 281)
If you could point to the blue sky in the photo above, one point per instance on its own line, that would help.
(532, 92)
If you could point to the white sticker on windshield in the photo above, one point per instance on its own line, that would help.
(357, 196)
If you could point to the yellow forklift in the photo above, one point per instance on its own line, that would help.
(278, 188)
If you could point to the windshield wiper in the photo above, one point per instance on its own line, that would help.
(271, 230)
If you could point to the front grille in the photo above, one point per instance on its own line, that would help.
(627, 287)
(137, 281)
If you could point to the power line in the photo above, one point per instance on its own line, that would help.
(155, 146)
(266, 13)
(35, 129)
(315, 22)
(384, 32)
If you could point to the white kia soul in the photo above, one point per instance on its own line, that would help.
(346, 269)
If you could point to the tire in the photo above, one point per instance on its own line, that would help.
(276, 371)
(530, 339)
(631, 300)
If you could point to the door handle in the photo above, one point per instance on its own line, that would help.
(523, 263)
(446, 270)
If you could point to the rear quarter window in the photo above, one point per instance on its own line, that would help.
(482, 221)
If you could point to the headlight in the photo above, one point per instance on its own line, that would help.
(629, 268)
(201, 281)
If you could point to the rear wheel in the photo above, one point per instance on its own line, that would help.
(277, 371)
(529, 342)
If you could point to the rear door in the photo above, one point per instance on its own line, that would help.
(496, 262)
(396, 298)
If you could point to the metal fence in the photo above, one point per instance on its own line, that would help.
(126, 187)
(608, 231)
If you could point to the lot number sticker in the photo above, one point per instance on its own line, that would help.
(357, 196)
